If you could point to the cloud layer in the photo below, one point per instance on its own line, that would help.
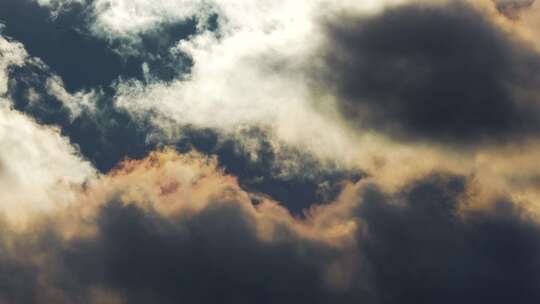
(174, 228)
(380, 152)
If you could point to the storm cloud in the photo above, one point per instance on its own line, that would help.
(435, 72)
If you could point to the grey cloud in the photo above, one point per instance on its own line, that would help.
(422, 251)
(433, 72)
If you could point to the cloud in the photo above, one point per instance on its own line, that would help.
(106, 134)
(13, 54)
(122, 18)
(175, 228)
(421, 250)
(38, 167)
(248, 72)
(444, 72)
(271, 131)
(178, 75)
(200, 230)
(284, 202)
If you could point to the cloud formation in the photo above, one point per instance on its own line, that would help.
(439, 72)
(377, 152)
(172, 227)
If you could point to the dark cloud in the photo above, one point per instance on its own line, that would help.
(443, 73)
(413, 247)
(212, 257)
(20, 269)
(18, 281)
(422, 251)
(144, 257)
(85, 61)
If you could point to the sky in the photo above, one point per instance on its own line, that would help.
(269, 151)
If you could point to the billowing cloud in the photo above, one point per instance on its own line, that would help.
(174, 228)
(445, 73)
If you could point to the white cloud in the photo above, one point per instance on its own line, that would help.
(125, 17)
(38, 167)
(249, 74)
(77, 102)
(11, 54)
